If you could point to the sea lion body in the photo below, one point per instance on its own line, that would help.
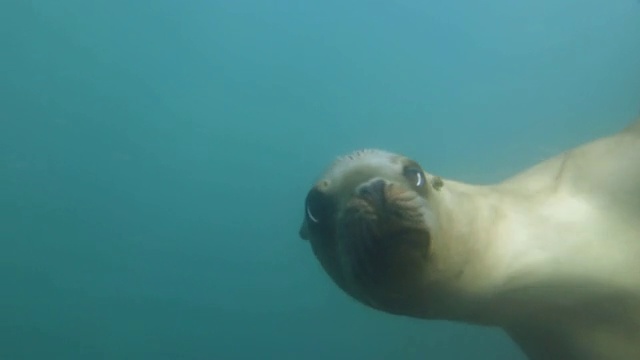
(551, 255)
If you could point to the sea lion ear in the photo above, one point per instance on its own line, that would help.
(437, 183)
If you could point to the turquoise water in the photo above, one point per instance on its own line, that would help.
(154, 158)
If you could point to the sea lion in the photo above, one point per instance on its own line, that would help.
(550, 255)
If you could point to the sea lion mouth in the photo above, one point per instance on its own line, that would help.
(365, 243)
(384, 243)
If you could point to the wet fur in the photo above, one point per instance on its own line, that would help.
(551, 255)
(586, 206)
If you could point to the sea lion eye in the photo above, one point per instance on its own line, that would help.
(316, 207)
(414, 175)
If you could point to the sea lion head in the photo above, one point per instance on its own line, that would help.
(372, 223)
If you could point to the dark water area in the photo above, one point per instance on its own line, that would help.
(155, 155)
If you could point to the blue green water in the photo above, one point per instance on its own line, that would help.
(154, 158)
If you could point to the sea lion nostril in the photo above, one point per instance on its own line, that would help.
(378, 186)
(373, 192)
(375, 188)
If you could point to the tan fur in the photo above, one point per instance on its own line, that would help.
(551, 255)
(556, 252)
(583, 228)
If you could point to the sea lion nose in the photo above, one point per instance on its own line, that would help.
(373, 192)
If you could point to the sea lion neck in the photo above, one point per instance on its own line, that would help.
(466, 243)
(515, 264)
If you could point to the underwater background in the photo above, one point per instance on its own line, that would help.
(155, 156)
